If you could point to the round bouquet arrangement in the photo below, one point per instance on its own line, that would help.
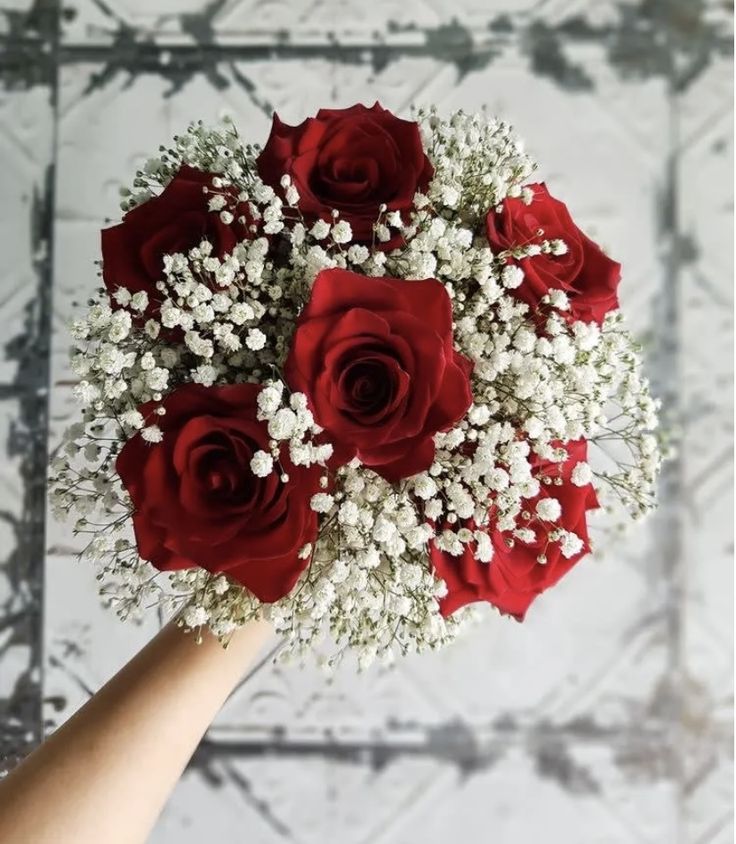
(354, 381)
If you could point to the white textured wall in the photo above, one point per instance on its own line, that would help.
(607, 717)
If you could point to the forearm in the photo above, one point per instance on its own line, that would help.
(106, 773)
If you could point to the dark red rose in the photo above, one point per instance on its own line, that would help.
(588, 276)
(176, 220)
(375, 358)
(514, 577)
(350, 159)
(197, 502)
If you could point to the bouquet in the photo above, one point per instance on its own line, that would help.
(355, 382)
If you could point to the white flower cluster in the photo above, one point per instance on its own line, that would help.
(537, 383)
(216, 149)
(478, 162)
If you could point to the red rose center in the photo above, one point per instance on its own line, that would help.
(372, 387)
(219, 465)
(356, 164)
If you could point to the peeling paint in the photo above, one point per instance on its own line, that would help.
(27, 440)
(672, 39)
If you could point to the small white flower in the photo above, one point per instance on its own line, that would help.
(157, 379)
(563, 350)
(587, 335)
(322, 453)
(320, 230)
(263, 193)
(525, 340)
(358, 254)
(582, 474)
(122, 296)
(170, 315)
(86, 393)
(300, 453)
(282, 424)
(479, 415)
(195, 616)
(205, 374)
(200, 346)
(559, 299)
(450, 196)
(484, 546)
(152, 434)
(113, 361)
(298, 401)
(571, 545)
(342, 232)
(240, 313)
(273, 226)
(449, 541)
(139, 301)
(220, 585)
(383, 233)
(261, 464)
(225, 275)
(147, 362)
(269, 399)
(132, 419)
(348, 514)
(203, 313)
(498, 479)
(425, 487)
(322, 502)
(420, 200)
(221, 302)
(298, 234)
(384, 530)
(255, 339)
(120, 326)
(549, 509)
(512, 276)
(534, 427)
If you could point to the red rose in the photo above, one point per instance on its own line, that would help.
(514, 577)
(376, 360)
(350, 159)
(198, 503)
(588, 276)
(176, 220)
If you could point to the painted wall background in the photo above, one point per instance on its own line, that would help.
(607, 717)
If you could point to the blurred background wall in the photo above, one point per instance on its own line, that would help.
(607, 716)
